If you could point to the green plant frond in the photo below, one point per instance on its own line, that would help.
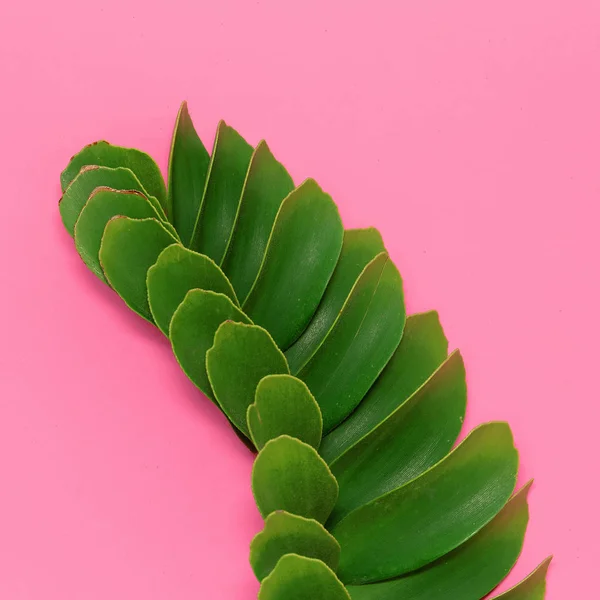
(285, 533)
(103, 154)
(297, 329)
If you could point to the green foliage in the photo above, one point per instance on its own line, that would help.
(300, 578)
(307, 232)
(296, 328)
(267, 185)
(177, 271)
(222, 193)
(290, 475)
(532, 587)
(193, 328)
(413, 438)
(422, 350)
(91, 177)
(240, 357)
(284, 405)
(101, 207)
(129, 248)
(285, 533)
(364, 336)
(188, 167)
(392, 534)
(468, 573)
(359, 248)
(103, 154)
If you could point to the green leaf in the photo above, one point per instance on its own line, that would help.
(193, 329)
(301, 578)
(284, 405)
(412, 439)
(92, 177)
(433, 514)
(104, 154)
(226, 174)
(361, 342)
(103, 205)
(267, 184)
(239, 358)
(176, 272)
(360, 247)
(468, 573)
(289, 475)
(129, 248)
(532, 587)
(301, 255)
(422, 350)
(188, 166)
(285, 533)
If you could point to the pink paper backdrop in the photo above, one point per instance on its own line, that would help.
(466, 131)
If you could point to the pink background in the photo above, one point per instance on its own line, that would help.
(466, 131)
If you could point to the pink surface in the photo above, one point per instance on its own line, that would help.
(466, 131)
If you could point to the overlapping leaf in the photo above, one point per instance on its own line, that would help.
(267, 185)
(422, 350)
(468, 573)
(359, 248)
(188, 167)
(102, 206)
(301, 255)
(532, 587)
(412, 439)
(301, 578)
(177, 271)
(103, 154)
(220, 202)
(284, 405)
(285, 533)
(89, 179)
(289, 475)
(240, 357)
(129, 248)
(359, 344)
(422, 520)
(193, 328)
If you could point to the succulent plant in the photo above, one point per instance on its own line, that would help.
(296, 329)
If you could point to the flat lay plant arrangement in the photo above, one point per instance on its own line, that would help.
(296, 329)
